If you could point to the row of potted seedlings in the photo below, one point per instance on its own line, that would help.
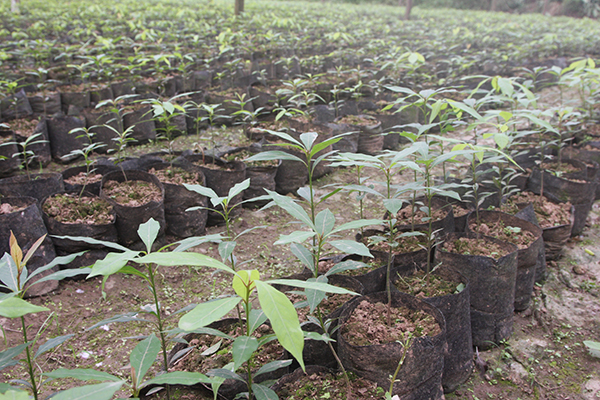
(502, 274)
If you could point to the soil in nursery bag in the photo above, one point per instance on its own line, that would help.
(38, 186)
(490, 265)
(68, 214)
(372, 349)
(526, 236)
(322, 383)
(62, 143)
(39, 146)
(204, 352)
(136, 196)
(22, 216)
(76, 178)
(449, 291)
(415, 218)
(370, 138)
(581, 193)
(178, 199)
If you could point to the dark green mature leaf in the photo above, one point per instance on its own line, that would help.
(346, 266)
(291, 208)
(256, 319)
(303, 255)
(242, 349)
(225, 373)
(143, 356)
(52, 343)
(262, 392)
(82, 375)
(272, 366)
(178, 378)
(6, 357)
(206, 313)
(127, 317)
(283, 317)
(100, 391)
(226, 249)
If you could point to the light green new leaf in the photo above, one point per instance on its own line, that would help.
(501, 140)
(178, 378)
(82, 375)
(184, 258)
(284, 319)
(207, 313)
(100, 391)
(295, 237)
(143, 356)
(112, 263)
(14, 307)
(14, 394)
(351, 247)
(242, 349)
(148, 231)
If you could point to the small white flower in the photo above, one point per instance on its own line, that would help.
(105, 327)
(79, 291)
(85, 354)
(99, 364)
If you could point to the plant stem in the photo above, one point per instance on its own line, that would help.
(337, 359)
(404, 352)
(34, 387)
(159, 323)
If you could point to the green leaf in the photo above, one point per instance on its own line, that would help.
(295, 237)
(357, 224)
(242, 349)
(225, 373)
(65, 273)
(393, 205)
(349, 265)
(112, 263)
(14, 394)
(52, 343)
(143, 356)
(14, 307)
(82, 375)
(207, 313)
(351, 247)
(593, 347)
(148, 231)
(273, 366)
(6, 357)
(324, 287)
(303, 255)
(204, 191)
(256, 319)
(243, 283)
(315, 297)
(308, 138)
(274, 155)
(501, 140)
(238, 188)
(262, 392)
(111, 245)
(292, 208)
(226, 249)
(100, 391)
(9, 273)
(324, 222)
(184, 258)
(178, 378)
(284, 319)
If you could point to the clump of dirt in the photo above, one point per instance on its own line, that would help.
(329, 386)
(367, 324)
(132, 193)
(511, 234)
(71, 209)
(563, 168)
(548, 214)
(175, 176)
(475, 247)
(423, 285)
(6, 208)
(406, 244)
(23, 127)
(407, 215)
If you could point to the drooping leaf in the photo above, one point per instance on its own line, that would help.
(85, 239)
(206, 313)
(348, 265)
(226, 249)
(100, 391)
(272, 366)
(303, 255)
(291, 208)
(178, 378)
(8, 355)
(262, 392)
(15, 307)
(315, 297)
(183, 258)
(82, 374)
(143, 356)
(65, 273)
(256, 319)
(148, 231)
(324, 287)
(52, 343)
(225, 373)
(284, 319)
